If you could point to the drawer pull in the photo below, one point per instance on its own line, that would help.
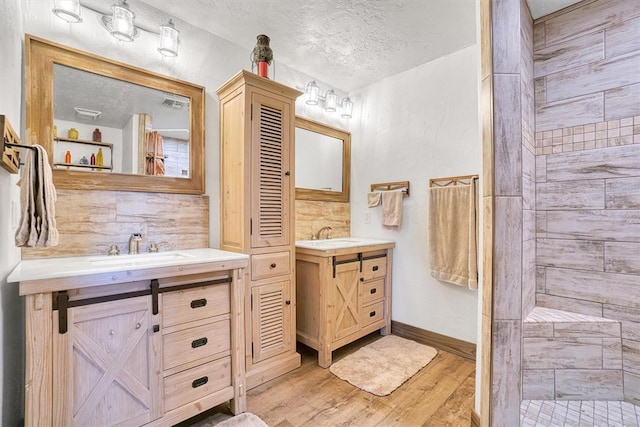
(373, 291)
(373, 313)
(375, 268)
(199, 342)
(197, 303)
(288, 302)
(199, 382)
(273, 265)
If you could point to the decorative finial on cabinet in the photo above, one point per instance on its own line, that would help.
(262, 55)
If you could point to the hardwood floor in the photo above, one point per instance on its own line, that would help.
(440, 395)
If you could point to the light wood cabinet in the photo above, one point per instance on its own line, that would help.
(153, 350)
(257, 218)
(342, 295)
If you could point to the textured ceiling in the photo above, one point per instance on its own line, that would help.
(346, 43)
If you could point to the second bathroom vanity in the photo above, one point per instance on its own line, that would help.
(343, 292)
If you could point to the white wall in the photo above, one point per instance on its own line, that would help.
(413, 126)
(11, 306)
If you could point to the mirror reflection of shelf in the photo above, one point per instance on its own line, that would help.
(66, 165)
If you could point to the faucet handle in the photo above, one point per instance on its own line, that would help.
(153, 248)
(114, 250)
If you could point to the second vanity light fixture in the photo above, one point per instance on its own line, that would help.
(120, 23)
(312, 97)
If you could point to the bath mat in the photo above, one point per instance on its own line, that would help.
(384, 365)
(223, 420)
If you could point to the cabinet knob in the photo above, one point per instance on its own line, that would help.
(373, 313)
(288, 302)
(375, 268)
(287, 173)
(273, 265)
(373, 291)
(362, 279)
(138, 325)
(156, 328)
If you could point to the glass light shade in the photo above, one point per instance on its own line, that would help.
(312, 93)
(330, 101)
(169, 39)
(122, 25)
(69, 10)
(347, 108)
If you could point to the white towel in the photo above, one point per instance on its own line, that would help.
(392, 208)
(37, 226)
(373, 199)
(452, 234)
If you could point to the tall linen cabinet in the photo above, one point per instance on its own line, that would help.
(257, 119)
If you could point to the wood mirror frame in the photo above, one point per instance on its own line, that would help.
(42, 54)
(326, 195)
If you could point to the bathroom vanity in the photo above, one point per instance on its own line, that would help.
(148, 339)
(343, 292)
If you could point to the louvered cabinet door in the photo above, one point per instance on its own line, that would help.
(271, 319)
(271, 177)
(106, 367)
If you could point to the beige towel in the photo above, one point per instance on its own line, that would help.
(373, 199)
(37, 226)
(392, 208)
(453, 234)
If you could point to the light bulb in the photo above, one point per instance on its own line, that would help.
(169, 39)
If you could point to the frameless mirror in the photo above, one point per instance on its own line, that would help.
(111, 126)
(323, 162)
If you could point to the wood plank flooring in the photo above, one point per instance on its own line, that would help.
(439, 395)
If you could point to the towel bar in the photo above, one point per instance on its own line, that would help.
(451, 180)
(388, 186)
(10, 155)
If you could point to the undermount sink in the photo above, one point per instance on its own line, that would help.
(141, 259)
(339, 243)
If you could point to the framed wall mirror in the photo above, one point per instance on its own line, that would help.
(111, 126)
(323, 162)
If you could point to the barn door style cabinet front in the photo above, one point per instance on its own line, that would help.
(257, 216)
(148, 347)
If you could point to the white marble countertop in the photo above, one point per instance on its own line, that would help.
(341, 243)
(52, 268)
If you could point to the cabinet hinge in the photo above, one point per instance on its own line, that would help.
(251, 349)
(251, 226)
(251, 114)
(251, 302)
(62, 301)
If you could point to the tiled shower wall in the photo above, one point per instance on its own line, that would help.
(587, 145)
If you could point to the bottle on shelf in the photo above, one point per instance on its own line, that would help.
(92, 160)
(97, 135)
(99, 158)
(67, 158)
(73, 133)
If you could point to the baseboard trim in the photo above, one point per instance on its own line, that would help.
(475, 419)
(452, 345)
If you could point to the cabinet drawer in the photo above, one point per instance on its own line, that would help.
(264, 266)
(192, 384)
(372, 313)
(195, 343)
(195, 304)
(372, 291)
(374, 268)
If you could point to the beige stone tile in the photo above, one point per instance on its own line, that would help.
(507, 274)
(612, 353)
(537, 330)
(505, 36)
(623, 193)
(506, 371)
(587, 329)
(578, 254)
(583, 194)
(594, 225)
(622, 257)
(616, 162)
(585, 384)
(507, 137)
(538, 384)
(562, 353)
(569, 112)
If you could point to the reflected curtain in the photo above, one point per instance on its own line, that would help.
(155, 154)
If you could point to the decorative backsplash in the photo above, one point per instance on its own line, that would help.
(611, 133)
(313, 215)
(90, 221)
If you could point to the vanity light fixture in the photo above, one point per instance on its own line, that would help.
(312, 93)
(169, 39)
(331, 104)
(68, 10)
(330, 101)
(346, 108)
(121, 23)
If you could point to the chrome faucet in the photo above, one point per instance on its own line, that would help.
(327, 235)
(134, 240)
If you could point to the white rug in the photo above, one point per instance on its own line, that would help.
(223, 420)
(383, 365)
